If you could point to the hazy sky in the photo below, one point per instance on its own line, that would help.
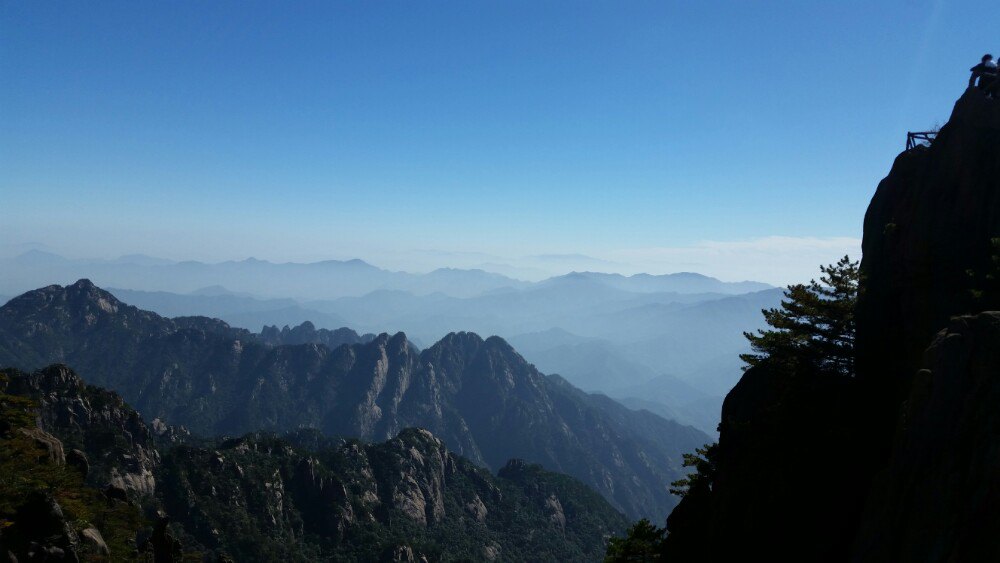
(738, 139)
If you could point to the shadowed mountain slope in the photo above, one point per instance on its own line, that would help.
(899, 462)
(479, 396)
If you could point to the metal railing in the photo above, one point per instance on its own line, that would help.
(916, 139)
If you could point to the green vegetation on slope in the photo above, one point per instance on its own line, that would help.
(261, 497)
(44, 500)
(302, 497)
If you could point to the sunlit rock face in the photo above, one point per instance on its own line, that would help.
(109, 438)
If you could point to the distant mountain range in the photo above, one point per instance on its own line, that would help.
(615, 332)
(317, 280)
(329, 279)
(238, 310)
(480, 396)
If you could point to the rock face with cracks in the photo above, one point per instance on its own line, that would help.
(406, 496)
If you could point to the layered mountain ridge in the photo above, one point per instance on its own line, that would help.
(482, 398)
(327, 279)
(617, 331)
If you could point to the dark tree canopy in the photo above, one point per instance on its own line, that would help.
(812, 331)
(642, 543)
(814, 327)
(703, 462)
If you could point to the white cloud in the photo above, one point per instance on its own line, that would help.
(779, 260)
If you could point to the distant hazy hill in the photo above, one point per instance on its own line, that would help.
(238, 310)
(318, 280)
(593, 362)
(665, 332)
(683, 282)
(672, 398)
(481, 397)
(328, 279)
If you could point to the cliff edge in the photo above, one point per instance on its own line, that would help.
(927, 239)
(899, 462)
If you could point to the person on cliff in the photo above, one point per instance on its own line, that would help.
(985, 71)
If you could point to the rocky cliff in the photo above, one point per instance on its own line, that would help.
(937, 497)
(898, 462)
(927, 244)
(261, 497)
(96, 427)
(75, 463)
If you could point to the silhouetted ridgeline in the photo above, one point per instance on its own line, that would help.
(900, 462)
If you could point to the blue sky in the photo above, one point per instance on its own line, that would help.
(739, 139)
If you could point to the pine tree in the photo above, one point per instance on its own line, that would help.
(703, 462)
(642, 543)
(814, 327)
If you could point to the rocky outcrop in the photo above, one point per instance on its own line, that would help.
(479, 396)
(927, 240)
(424, 466)
(377, 501)
(109, 442)
(40, 531)
(307, 333)
(78, 460)
(477, 509)
(51, 447)
(792, 467)
(95, 541)
(937, 499)
(46, 512)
